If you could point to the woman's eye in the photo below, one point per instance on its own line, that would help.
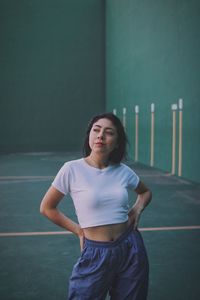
(110, 132)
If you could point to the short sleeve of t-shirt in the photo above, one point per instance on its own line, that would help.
(61, 181)
(133, 179)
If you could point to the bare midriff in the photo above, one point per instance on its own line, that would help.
(105, 233)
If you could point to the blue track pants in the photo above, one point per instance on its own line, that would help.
(120, 268)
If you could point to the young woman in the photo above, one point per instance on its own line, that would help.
(113, 257)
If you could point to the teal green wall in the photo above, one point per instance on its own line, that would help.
(153, 55)
(52, 68)
(52, 73)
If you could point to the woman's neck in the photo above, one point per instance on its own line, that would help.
(97, 161)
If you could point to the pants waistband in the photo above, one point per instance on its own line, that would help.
(121, 238)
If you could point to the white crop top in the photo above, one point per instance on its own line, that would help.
(100, 196)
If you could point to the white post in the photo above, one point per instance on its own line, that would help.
(124, 117)
(152, 134)
(136, 131)
(180, 105)
(115, 111)
(174, 108)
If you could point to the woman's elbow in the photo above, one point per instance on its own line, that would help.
(43, 209)
(50, 201)
(149, 195)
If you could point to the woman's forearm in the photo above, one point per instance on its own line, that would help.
(143, 200)
(57, 217)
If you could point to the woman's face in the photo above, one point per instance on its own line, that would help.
(103, 137)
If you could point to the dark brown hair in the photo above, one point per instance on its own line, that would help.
(119, 153)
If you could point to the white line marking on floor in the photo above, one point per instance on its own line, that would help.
(12, 234)
(25, 177)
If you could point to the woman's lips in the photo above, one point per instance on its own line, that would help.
(99, 144)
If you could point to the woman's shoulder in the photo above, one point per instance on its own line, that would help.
(73, 163)
(125, 168)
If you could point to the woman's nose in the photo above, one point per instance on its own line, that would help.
(100, 135)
